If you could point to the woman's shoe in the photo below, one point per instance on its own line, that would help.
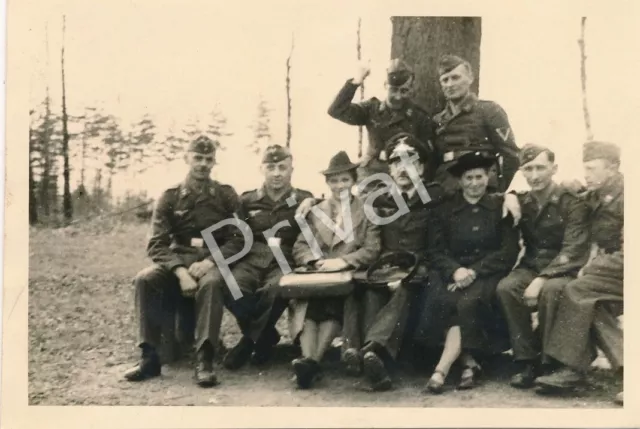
(435, 384)
(305, 370)
(468, 379)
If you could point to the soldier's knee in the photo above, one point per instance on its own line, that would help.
(148, 276)
(552, 289)
(508, 287)
(212, 280)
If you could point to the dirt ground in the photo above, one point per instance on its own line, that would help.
(82, 333)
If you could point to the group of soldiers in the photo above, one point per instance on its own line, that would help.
(570, 272)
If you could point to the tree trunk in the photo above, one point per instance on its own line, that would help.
(420, 41)
(33, 204)
(66, 199)
(583, 80)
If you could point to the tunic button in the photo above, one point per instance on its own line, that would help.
(475, 228)
(475, 210)
(477, 250)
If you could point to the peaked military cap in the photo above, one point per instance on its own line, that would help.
(203, 145)
(531, 151)
(449, 62)
(469, 161)
(395, 266)
(275, 153)
(340, 163)
(398, 72)
(600, 150)
(404, 143)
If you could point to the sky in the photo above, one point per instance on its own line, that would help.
(177, 63)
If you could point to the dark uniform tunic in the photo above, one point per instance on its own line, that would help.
(376, 315)
(382, 123)
(556, 240)
(258, 273)
(591, 303)
(478, 125)
(180, 214)
(473, 236)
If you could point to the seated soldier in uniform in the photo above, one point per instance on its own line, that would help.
(183, 267)
(317, 321)
(586, 315)
(269, 209)
(555, 233)
(376, 320)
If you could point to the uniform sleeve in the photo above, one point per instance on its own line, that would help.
(504, 259)
(575, 246)
(343, 109)
(610, 265)
(229, 237)
(502, 138)
(161, 226)
(426, 134)
(370, 249)
(438, 253)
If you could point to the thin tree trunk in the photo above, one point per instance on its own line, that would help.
(66, 199)
(33, 203)
(359, 55)
(583, 80)
(288, 86)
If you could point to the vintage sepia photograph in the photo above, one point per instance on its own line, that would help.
(290, 206)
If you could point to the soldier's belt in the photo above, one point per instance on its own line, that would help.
(452, 155)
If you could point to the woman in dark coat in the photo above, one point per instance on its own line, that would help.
(472, 247)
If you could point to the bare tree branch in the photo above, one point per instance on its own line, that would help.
(288, 87)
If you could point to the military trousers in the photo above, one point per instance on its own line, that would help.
(586, 319)
(158, 297)
(377, 316)
(260, 307)
(527, 344)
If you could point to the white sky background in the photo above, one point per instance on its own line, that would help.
(205, 58)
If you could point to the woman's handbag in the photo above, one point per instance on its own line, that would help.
(304, 283)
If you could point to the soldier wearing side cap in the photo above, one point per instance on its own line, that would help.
(468, 124)
(555, 231)
(587, 313)
(386, 118)
(271, 207)
(182, 267)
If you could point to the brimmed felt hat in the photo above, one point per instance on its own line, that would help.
(469, 161)
(340, 163)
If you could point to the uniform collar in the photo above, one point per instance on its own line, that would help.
(611, 189)
(487, 202)
(192, 186)
(262, 193)
(452, 110)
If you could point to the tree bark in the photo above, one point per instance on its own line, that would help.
(420, 41)
(583, 80)
(67, 207)
(33, 203)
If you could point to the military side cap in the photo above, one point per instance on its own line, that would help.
(531, 151)
(470, 161)
(203, 145)
(398, 72)
(600, 150)
(395, 266)
(275, 153)
(404, 143)
(449, 62)
(340, 163)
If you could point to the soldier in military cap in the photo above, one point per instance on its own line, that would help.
(271, 207)
(555, 231)
(385, 118)
(469, 125)
(377, 319)
(591, 303)
(182, 266)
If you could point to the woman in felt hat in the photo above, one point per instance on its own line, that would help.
(472, 247)
(316, 322)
